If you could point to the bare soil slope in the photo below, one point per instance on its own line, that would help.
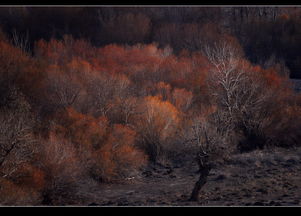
(271, 178)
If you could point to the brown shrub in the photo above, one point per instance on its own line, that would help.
(16, 195)
(157, 125)
(57, 159)
(105, 152)
(118, 157)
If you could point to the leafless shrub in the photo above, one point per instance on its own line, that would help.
(242, 97)
(21, 41)
(104, 91)
(58, 160)
(17, 144)
(62, 88)
(17, 148)
(212, 147)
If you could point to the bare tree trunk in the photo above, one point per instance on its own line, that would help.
(204, 172)
(204, 169)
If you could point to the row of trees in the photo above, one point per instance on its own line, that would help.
(73, 111)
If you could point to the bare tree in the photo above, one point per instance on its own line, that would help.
(16, 139)
(21, 41)
(105, 91)
(64, 90)
(243, 99)
(212, 146)
(242, 103)
(127, 108)
(224, 80)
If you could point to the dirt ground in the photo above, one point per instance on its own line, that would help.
(259, 178)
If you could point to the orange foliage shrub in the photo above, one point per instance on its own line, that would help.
(12, 61)
(105, 153)
(182, 99)
(62, 51)
(156, 125)
(19, 71)
(15, 195)
(83, 130)
(29, 176)
(24, 187)
(162, 90)
(118, 157)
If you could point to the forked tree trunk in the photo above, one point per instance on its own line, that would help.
(204, 172)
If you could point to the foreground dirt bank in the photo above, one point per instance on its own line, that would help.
(270, 178)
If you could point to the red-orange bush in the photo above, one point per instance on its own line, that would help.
(118, 157)
(157, 125)
(105, 152)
